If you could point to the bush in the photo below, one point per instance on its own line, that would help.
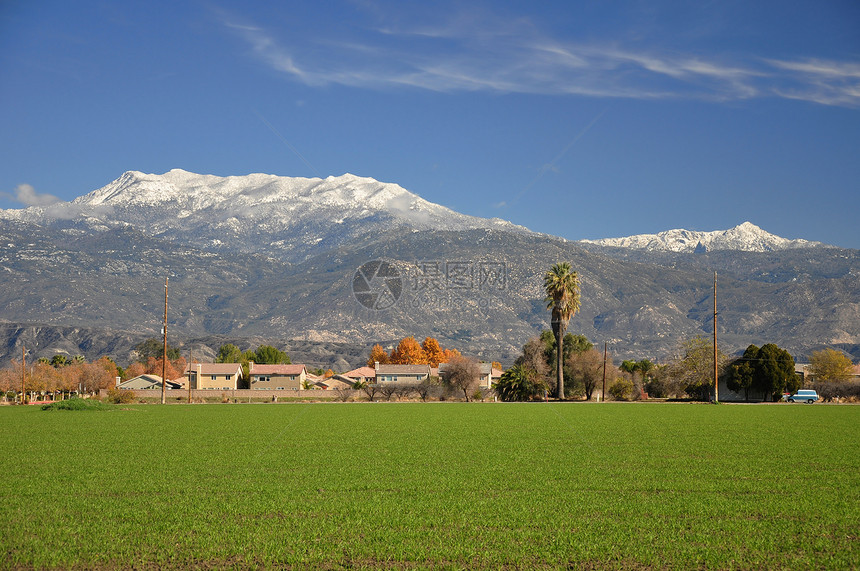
(77, 404)
(838, 390)
(621, 389)
(120, 396)
(656, 388)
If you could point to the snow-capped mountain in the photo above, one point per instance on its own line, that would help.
(746, 237)
(283, 216)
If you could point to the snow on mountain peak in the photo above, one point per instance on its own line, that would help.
(259, 212)
(744, 237)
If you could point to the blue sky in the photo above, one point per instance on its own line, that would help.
(579, 119)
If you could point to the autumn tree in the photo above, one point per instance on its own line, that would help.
(377, 355)
(174, 369)
(408, 352)
(462, 374)
(829, 365)
(433, 351)
(450, 354)
(586, 370)
(693, 370)
(134, 370)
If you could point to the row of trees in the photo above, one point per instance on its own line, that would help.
(409, 352)
(76, 375)
(530, 377)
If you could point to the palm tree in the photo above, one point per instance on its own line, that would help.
(562, 298)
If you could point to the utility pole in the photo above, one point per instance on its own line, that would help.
(188, 377)
(603, 393)
(716, 366)
(23, 372)
(164, 356)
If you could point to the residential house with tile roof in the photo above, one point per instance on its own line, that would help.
(277, 377)
(214, 376)
(401, 373)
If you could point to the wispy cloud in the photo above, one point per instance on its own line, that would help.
(27, 195)
(515, 57)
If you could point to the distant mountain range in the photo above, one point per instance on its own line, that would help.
(296, 262)
(746, 237)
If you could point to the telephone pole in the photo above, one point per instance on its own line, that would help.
(603, 393)
(164, 355)
(188, 376)
(23, 372)
(716, 366)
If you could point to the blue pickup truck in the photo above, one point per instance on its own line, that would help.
(803, 395)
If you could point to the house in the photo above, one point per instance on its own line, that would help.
(336, 382)
(363, 374)
(147, 382)
(214, 376)
(487, 376)
(277, 377)
(401, 373)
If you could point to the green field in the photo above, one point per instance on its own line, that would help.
(437, 485)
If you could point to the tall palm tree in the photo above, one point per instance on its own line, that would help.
(562, 298)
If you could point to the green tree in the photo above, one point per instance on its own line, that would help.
(775, 371)
(766, 369)
(155, 348)
(58, 361)
(519, 383)
(571, 345)
(562, 299)
(621, 389)
(742, 372)
(228, 353)
(829, 365)
(268, 355)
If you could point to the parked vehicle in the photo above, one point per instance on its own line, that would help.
(804, 395)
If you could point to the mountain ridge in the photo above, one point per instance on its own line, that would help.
(745, 237)
(100, 263)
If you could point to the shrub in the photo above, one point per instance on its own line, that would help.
(838, 390)
(120, 396)
(77, 404)
(656, 388)
(621, 389)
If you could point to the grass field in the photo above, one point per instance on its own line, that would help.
(437, 485)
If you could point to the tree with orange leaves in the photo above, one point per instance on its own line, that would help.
(377, 355)
(408, 352)
(450, 354)
(174, 370)
(433, 350)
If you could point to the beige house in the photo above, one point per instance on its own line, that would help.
(277, 377)
(146, 382)
(401, 373)
(214, 376)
